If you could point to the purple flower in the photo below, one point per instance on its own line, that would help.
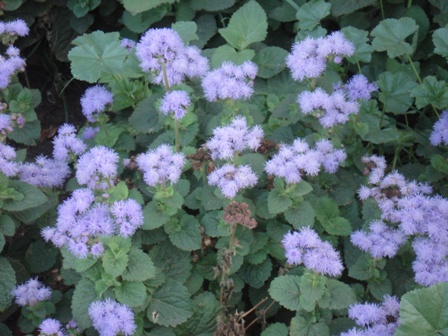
(305, 247)
(31, 293)
(439, 133)
(230, 81)
(359, 88)
(5, 124)
(45, 172)
(335, 45)
(231, 179)
(110, 318)
(9, 66)
(161, 165)
(97, 168)
(51, 327)
(128, 44)
(7, 165)
(234, 137)
(128, 215)
(90, 132)
(305, 61)
(95, 100)
(175, 102)
(16, 27)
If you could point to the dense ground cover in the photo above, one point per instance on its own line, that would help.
(224, 167)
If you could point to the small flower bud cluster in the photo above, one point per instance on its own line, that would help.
(175, 102)
(162, 52)
(51, 327)
(111, 318)
(236, 136)
(230, 81)
(66, 145)
(161, 165)
(375, 319)
(439, 134)
(128, 44)
(293, 161)
(95, 100)
(308, 58)
(305, 247)
(239, 213)
(31, 293)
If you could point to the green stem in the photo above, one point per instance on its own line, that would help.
(293, 4)
(394, 163)
(359, 66)
(176, 129)
(382, 9)
(409, 3)
(165, 78)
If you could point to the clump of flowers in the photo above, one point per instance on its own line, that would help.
(97, 168)
(95, 100)
(375, 319)
(7, 164)
(305, 247)
(10, 64)
(294, 161)
(230, 81)
(161, 165)
(110, 318)
(308, 58)
(162, 52)
(51, 327)
(66, 145)
(31, 293)
(230, 179)
(175, 102)
(236, 136)
(12, 29)
(359, 88)
(44, 172)
(439, 134)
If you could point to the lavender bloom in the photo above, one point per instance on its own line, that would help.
(9, 67)
(5, 124)
(97, 168)
(175, 102)
(234, 137)
(161, 165)
(230, 81)
(359, 88)
(16, 27)
(375, 167)
(293, 161)
(66, 144)
(94, 101)
(335, 45)
(439, 133)
(231, 179)
(128, 44)
(7, 165)
(431, 264)
(375, 319)
(329, 109)
(128, 215)
(306, 247)
(45, 172)
(163, 48)
(90, 132)
(111, 318)
(31, 293)
(51, 327)
(305, 61)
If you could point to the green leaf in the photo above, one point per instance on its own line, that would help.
(270, 61)
(276, 329)
(33, 197)
(361, 269)
(338, 226)
(140, 22)
(338, 295)
(83, 296)
(424, 311)
(226, 53)
(312, 288)
(277, 202)
(286, 291)
(394, 91)
(170, 304)
(2, 242)
(390, 35)
(7, 226)
(247, 25)
(140, 266)
(7, 284)
(185, 234)
(301, 327)
(186, 30)
(203, 321)
(145, 117)
(363, 50)
(310, 14)
(206, 29)
(256, 275)
(343, 7)
(439, 163)
(154, 215)
(96, 53)
(131, 293)
(116, 258)
(379, 288)
(212, 5)
(40, 257)
(138, 6)
(440, 40)
(26, 135)
(300, 215)
(108, 135)
(72, 262)
(174, 263)
(326, 209)
(431, 91)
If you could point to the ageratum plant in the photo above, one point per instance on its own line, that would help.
(245, 168)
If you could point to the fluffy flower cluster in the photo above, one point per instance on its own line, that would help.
(305, 247)
(234, 137)
(82, 221)
(66, 144)
(5, 124)
(230, 81)
(44, 172)
(175, 102)
(375, 319)
(10, 64)
(51, 327)
(439, 133)
(359, 88)
(230, 179)
(161, 165)
(17, 27)
(90, 132)
(291, 162)
(31, 293)
(128, 44)
(97, 168)
(163, 48)
(111, 318)
(308, 58)
(95, 100)
(7, 164)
